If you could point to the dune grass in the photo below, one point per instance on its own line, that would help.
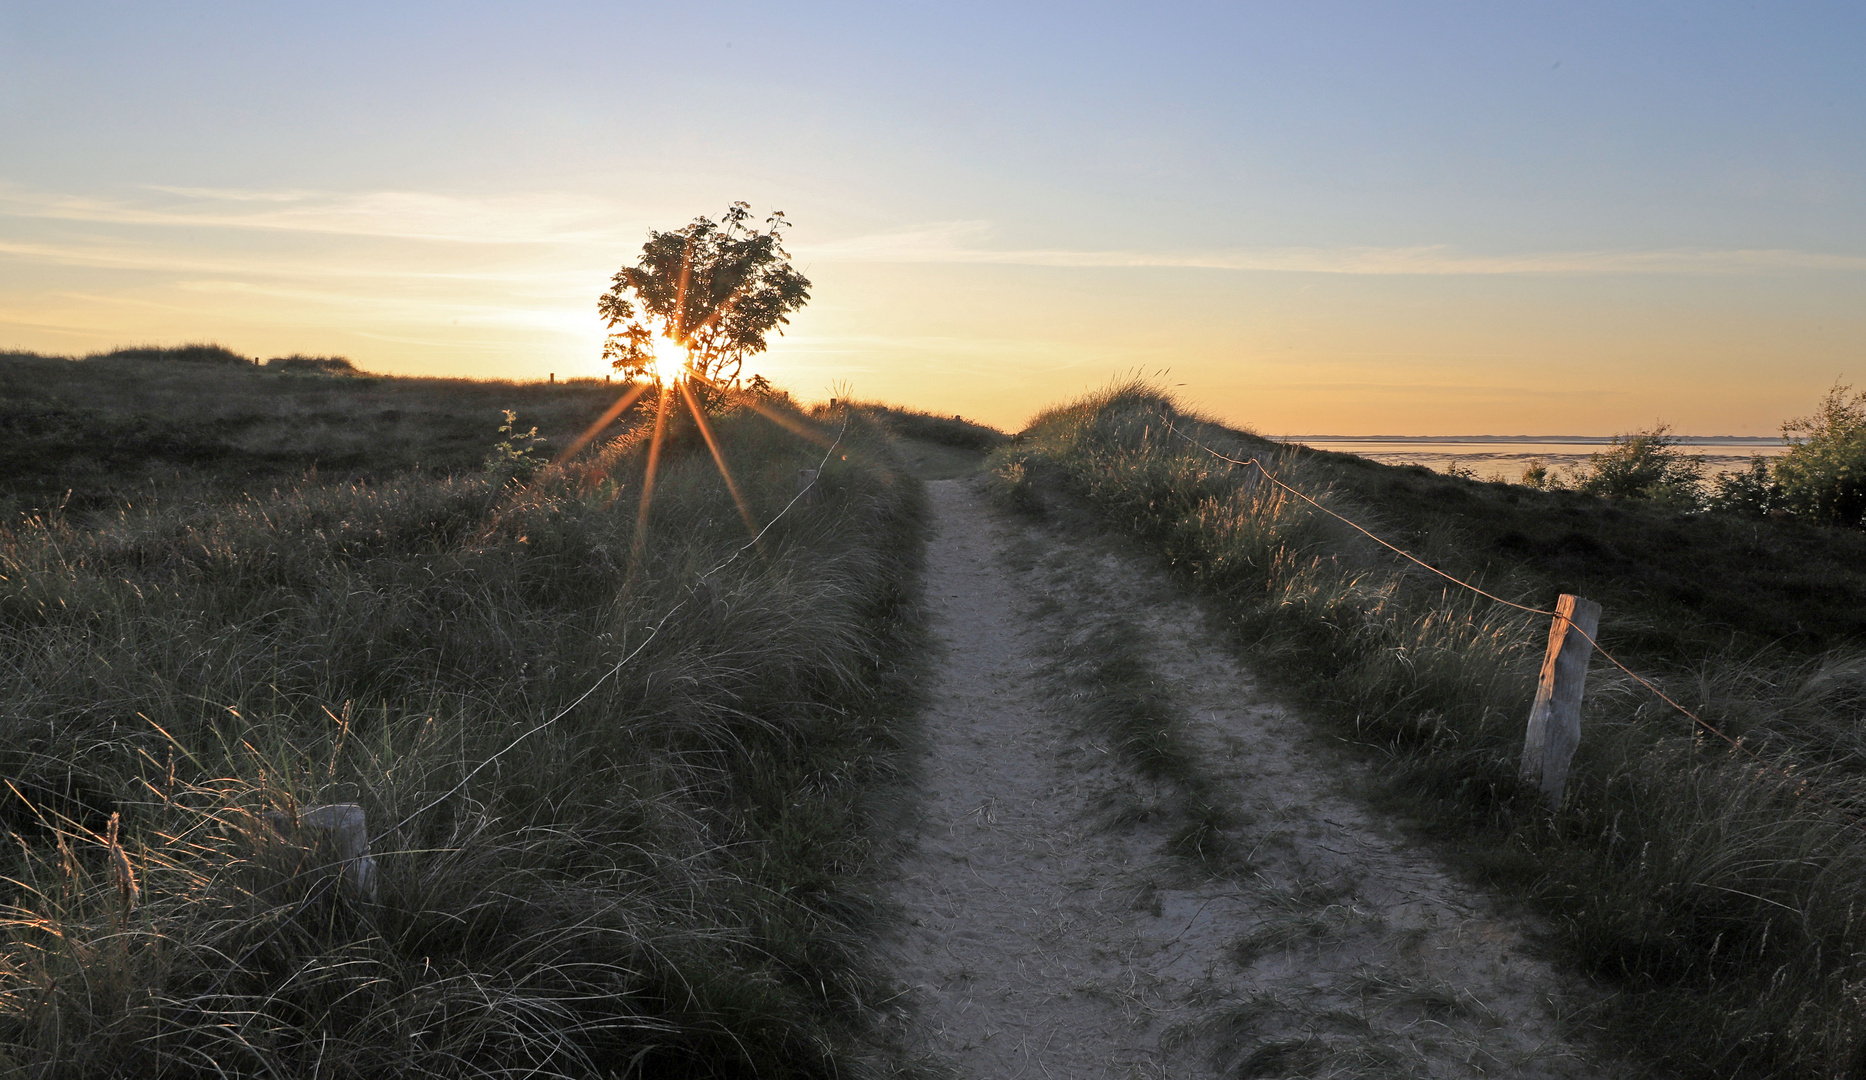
(95, 433)
(1717, 898)
(584, 867)
(954, 431)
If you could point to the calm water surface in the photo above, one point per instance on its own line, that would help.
(1505, 456)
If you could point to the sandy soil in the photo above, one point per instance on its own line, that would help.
(1048, 932)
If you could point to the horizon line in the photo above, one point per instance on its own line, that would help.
(1515, 438)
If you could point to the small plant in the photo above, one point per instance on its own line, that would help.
(517, 455)
(1645, 465)
(1538, 475)
(1753, 492)
(300, 364)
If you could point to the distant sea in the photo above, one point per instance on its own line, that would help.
(1504, 456)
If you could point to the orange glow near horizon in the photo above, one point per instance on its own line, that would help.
(1283, 353)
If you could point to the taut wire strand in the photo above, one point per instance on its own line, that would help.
(1803, 788)
(632, 654)
(1268, 475)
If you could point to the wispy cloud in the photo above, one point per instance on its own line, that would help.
(105, 255)
(581, 228)
(407, 215)
(967, 242)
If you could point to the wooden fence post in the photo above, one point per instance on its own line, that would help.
(349, 834)
(344, 829)
(1555, 718)
(806, 486)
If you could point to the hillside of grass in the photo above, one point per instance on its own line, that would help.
(1710, 891)
(96, 431)
(1678, 584)
(627, 792)
(929, 446)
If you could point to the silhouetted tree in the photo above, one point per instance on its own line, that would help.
(713, 288)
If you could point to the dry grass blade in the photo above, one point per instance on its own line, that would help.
(655, 867)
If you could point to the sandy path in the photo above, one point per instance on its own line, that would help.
(1044, 940)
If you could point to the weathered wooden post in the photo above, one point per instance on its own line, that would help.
(343, 827)
(1247, 484)
(706, 598)
(349, 834)
(1555, 718)
(806, 485)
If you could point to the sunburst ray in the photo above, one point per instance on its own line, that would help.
(795, 427)
(628, 398)
(638, 544)
(719, 458)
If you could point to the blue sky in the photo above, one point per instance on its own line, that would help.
(1354, 218)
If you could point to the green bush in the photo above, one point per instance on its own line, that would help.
(1644, 465)
(1751, 492)
(1823, 476)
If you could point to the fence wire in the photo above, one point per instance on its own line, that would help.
(636, 651)
(329, 882)
(1802, 787)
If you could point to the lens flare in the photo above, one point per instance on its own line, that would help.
(670, 360)
(672, 383)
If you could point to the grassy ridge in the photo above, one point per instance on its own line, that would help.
(93, 433)
(1693, 582)
(1715, 896)
(583, 870)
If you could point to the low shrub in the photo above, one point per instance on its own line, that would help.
(1823, 475)
(1644, 465)
(186, 354)
(298, 364)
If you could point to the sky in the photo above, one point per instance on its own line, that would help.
(1346, 218)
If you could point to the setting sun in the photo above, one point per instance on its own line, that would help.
(670, 359)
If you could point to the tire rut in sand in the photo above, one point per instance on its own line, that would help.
(1049, 932)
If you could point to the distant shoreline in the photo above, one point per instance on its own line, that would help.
(1574, 440)
(1504, 456)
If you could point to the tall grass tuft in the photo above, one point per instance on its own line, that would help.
(1718, 894)
(662, 867)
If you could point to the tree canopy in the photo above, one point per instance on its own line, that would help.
(715, 289)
